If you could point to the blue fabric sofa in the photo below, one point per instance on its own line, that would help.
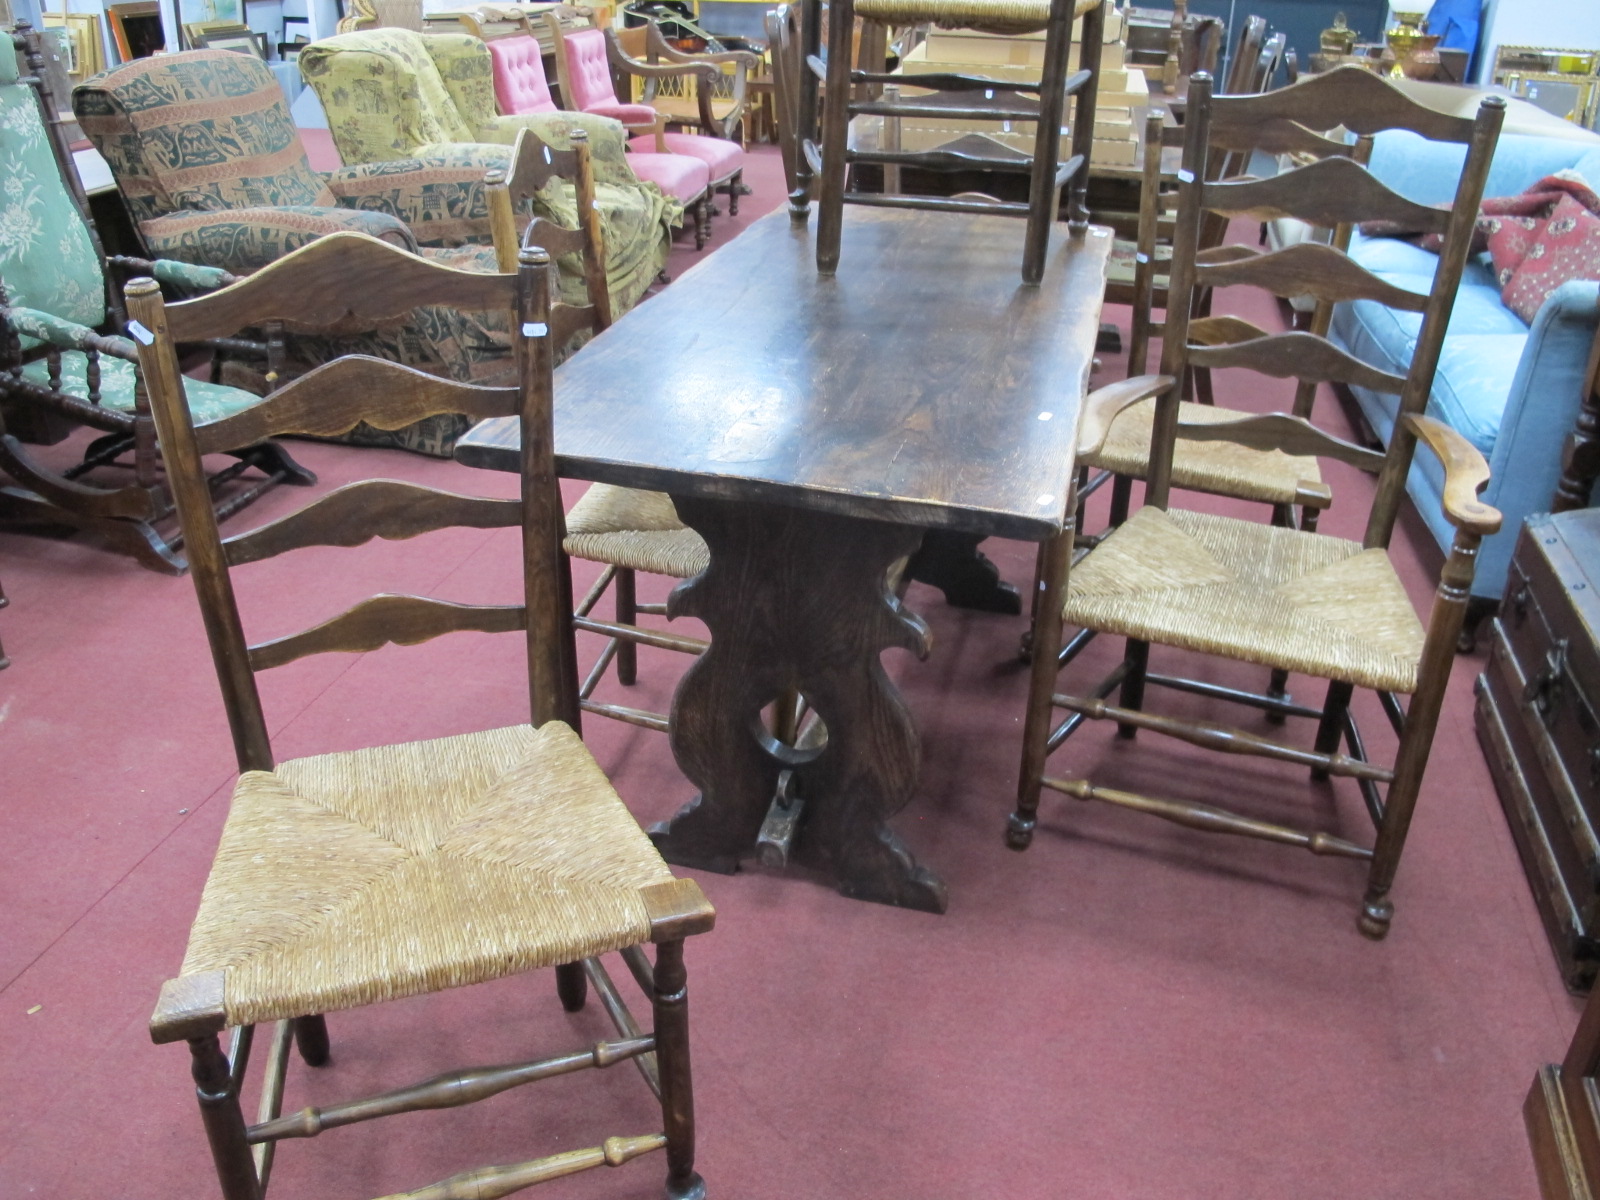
(1512, 390)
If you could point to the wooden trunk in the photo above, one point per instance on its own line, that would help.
(1537, 721)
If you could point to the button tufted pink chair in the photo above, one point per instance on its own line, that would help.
(520, 87)
(584, 61)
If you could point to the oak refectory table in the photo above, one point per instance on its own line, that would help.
(811, 429)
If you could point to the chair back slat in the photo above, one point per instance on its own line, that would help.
(332, 399)
(1291, 137)
(1325, 193)
(343, 282)
(336, 279)
(1297, 355)
(569, 319)
(1354, 97)
(534, 163)
(384, 620)
(1280, 431)
(1218, 331)
(1307, 269)
(375, 508)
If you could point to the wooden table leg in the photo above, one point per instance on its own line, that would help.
(951, 561)
(796, 599)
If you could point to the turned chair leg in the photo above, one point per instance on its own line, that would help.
(225, 1129)
(311, 1039)
(835, 135)
(572, 986)
(735, 186)
(627, 610)
(1137, 658)
(1331, 727)
(1054, 565)
(4, 661)
(670, 1002)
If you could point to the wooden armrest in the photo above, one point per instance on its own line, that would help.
(658, 44)
(1102, 405)
(1465, 475)
(619, 58)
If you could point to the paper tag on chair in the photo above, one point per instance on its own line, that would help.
(139, 332)
(534, 329)
(1185, 176)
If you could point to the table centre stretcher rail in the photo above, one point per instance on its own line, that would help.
(811, 429)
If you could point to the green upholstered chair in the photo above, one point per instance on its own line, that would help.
(64, 359)
(392, 93)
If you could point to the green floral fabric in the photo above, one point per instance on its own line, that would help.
(207, 401)
(187, 275)
(393, 92)
(42, 328)
(47, 259)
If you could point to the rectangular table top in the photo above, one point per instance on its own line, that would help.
(923, 384)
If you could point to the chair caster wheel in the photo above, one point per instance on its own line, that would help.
(1019, 832)
(1375, 919)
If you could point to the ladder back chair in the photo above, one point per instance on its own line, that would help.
(1282, 598)
(959, 97)
(626, 530)
(349, 878)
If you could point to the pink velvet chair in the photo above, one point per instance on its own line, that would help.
(520, 86)
(584, 60)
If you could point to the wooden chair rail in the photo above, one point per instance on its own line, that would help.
(1365, 104)
(449, 1090)
(333, 398)
(343, 281)
(376, 508)
(388, 619)
(1297, 355)
(1280, 431)
(1326, 192)
(1304, 269)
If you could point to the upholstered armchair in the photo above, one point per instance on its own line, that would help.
(212, 168)
(213, 172)
(392, 93)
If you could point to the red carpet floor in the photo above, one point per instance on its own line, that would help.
(1128, 1010)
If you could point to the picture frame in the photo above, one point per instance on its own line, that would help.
(210, 12)
(136, 28)
(195, 33)
(243, 40)
(82, 47)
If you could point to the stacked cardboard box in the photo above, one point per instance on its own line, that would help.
(1123, 89)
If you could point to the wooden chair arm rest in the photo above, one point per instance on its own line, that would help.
(1465, 475)
(619, 59)
(1102, 405)
(658, 44)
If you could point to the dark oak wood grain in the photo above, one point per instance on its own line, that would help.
(810, 429)
(912, 392)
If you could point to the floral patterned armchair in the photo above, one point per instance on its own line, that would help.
(65, 361)
(213, 171)
(393, 93)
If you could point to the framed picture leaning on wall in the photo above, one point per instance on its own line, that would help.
(136, 29)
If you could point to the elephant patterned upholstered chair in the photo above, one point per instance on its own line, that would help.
(392, 93)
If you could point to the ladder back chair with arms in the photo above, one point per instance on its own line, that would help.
(1222, 468)
(961, 97)
(349, 878)
(1247, 591)
(624, 529)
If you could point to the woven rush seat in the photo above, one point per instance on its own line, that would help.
(640, 530)
(345, 879)
(987, 16)
(1224, 468)
(1258, 593)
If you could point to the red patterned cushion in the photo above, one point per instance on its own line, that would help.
(1566, 247)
